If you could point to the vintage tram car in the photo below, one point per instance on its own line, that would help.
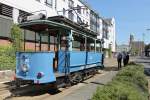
(74, 55)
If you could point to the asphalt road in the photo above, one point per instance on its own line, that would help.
(146, 62)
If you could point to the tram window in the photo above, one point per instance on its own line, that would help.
(98, 47)
(90, 44)
(63, 42)
(78, 43)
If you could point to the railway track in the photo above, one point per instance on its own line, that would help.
(34, 92)
(4, 91)
(26, 91)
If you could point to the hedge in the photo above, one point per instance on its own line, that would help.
(7, 58)
(129, 84)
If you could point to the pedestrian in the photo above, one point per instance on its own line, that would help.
(127, 58)
(119, 60)
(124, 58)
(102, 60)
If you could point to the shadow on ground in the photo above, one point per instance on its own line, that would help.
(98, 83)
(111, 68)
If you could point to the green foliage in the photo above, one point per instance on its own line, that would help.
(7, 58)
(16, 37)
(129, 84)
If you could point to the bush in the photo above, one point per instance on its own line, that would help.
(7, 58)
(16, 37)
(129, 84)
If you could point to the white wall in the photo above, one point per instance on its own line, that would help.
(112, 35)
(100, 29)
(33, 5)
(64, 4)
(29, 6)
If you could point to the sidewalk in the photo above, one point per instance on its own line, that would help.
(110, 64)
(6, 76)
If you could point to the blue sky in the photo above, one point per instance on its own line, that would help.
(132, 17)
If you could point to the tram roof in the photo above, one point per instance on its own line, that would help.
(77, 27)
(56, 22)
(40, 25)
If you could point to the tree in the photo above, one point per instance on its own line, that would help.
(16, 38)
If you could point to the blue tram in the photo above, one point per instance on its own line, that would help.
(76, 56)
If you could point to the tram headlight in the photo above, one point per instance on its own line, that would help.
(24, 68)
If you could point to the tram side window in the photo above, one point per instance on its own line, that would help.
(98, 47)
(78, 43)
(63, 42)
(90, 45)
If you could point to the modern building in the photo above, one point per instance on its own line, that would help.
(77, 11)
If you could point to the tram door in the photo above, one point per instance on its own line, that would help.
(47, 42)
(53, 46)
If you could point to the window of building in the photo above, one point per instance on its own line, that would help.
(79, 21)
(55, 4)
(83, 11)
(49, 3)
(38, 0)
(79, 9)
(87, 23)
(64, 11)
(23, 13)
(70, 15)
(105, 32)
(84, 21)
(6, 10)
(87, 12)
(5, 26)
(70, 4)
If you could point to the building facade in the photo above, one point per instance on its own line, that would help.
(108, 34)
(75, 10)
(137, 48)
